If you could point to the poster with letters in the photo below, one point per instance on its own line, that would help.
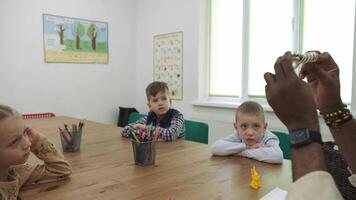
(72, 40)
(168, 62)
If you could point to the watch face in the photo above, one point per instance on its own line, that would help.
(299, 137)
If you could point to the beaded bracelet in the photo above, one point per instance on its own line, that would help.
(337, 118)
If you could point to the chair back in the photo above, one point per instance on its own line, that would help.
(37, 115)
(124, 114)
(283, 143)
(134, 116)
(196, 131)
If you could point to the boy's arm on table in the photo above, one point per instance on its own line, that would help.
(228, 146)
(126, 132)
(175, 130)
(55, 167)
(270, 153)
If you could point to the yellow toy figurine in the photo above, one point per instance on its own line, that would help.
(255, 179)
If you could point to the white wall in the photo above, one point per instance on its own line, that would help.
(93, 91)
(164, 16)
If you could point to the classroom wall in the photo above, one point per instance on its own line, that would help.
(92, 91)
(165, 16)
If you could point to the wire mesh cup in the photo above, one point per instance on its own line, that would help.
(144, 152)
(70, 140)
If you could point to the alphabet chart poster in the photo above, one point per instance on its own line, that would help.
(168, 62)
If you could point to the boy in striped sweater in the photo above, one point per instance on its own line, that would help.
(162, 119)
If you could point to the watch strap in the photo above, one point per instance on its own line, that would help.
(303, 137)
(315, 136)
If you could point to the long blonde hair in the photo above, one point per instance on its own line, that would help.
(7, 111)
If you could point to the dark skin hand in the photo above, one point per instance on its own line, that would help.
(323, 78)
(290, 97)
(293, 102)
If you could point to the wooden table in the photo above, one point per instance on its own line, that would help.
(104, 169)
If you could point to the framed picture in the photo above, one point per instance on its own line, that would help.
(168, 62)
(72, 40)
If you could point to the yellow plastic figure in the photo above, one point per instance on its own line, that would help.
(255, 179)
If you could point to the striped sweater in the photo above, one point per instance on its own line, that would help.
(171, 126)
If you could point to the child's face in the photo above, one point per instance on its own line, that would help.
(14, 142)
(250, 128)
(159, 104)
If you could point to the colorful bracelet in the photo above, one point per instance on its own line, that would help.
(337, 118)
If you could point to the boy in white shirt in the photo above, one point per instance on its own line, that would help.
(252, 139)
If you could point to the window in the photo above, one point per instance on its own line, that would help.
(331, 29)
(246, 37)
(226, 51)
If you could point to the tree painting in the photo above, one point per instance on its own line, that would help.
(74, 40)
(93, 33)
(78, 32)
(60, 32)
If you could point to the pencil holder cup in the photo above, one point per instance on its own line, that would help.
(144, 152)
(71, 140)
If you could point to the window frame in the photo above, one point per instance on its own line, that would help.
(207, 100)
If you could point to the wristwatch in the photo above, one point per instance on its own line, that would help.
(303, 137)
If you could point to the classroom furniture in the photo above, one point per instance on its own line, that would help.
(104, 169)
(196, 131)
(135, 116)
(124, 114)
(283, 143)
(38, 115)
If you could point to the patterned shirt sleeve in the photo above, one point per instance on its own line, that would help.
(175, 130)
(129, 128)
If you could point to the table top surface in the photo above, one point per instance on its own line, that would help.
(104, 169)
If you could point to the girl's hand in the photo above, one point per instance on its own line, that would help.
(32, 134)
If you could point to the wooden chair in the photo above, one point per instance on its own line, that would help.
(196, 131)
(38, 115)
(283, 143)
